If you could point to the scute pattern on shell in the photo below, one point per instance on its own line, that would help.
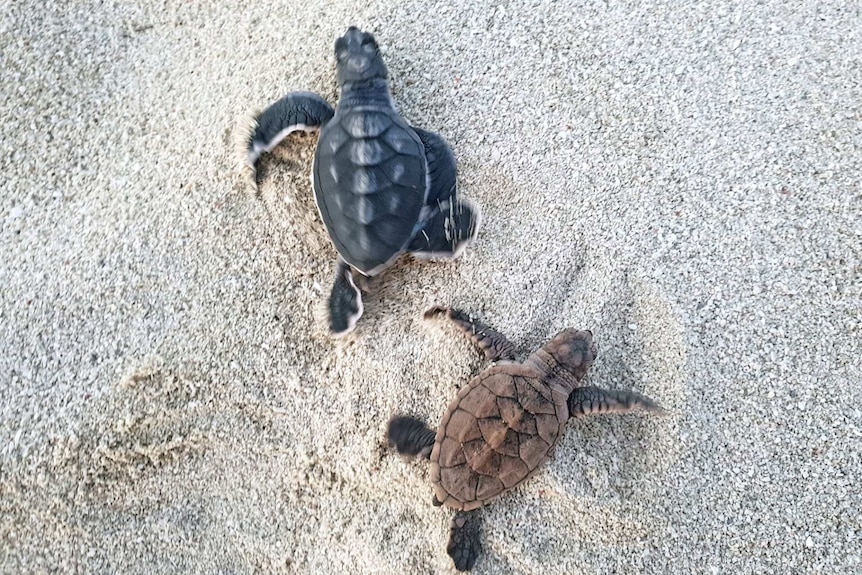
(498, 430)
(370, 184)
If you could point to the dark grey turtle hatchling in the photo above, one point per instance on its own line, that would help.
(504, 424)
(383, 188)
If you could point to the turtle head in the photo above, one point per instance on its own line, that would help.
(571, 351)
(357, 57)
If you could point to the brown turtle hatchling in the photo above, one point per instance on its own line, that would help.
(504, 424)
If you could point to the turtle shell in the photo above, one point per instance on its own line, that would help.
(494, 435)
(369, 180)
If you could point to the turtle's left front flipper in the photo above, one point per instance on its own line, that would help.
(298, 111)
(448, 223)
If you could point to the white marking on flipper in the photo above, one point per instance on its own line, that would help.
(477, 223)
(251, 151)
(260, 148)
(243, 133)
(353, 318)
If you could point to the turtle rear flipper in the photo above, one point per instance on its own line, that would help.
(410, 436)
(593, 400)
(447, 231)
(464, 544)
(448, 224)
(298, 111)
(345, 301)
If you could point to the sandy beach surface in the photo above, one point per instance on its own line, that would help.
(682, 178)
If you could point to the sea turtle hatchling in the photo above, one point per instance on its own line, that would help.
(382, 187)
(504, 424)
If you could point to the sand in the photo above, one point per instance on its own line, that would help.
(681, 178)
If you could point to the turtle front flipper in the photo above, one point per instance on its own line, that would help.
(298, 111)
(493, 343)
(410, 436)
(595, 400)
(448, 224)
(465, 544)
(345, 301)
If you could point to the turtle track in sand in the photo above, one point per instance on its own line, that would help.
(152, 418)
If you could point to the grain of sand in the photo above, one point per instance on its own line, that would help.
(683, 178)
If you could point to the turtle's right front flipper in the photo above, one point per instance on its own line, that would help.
(297, 111)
